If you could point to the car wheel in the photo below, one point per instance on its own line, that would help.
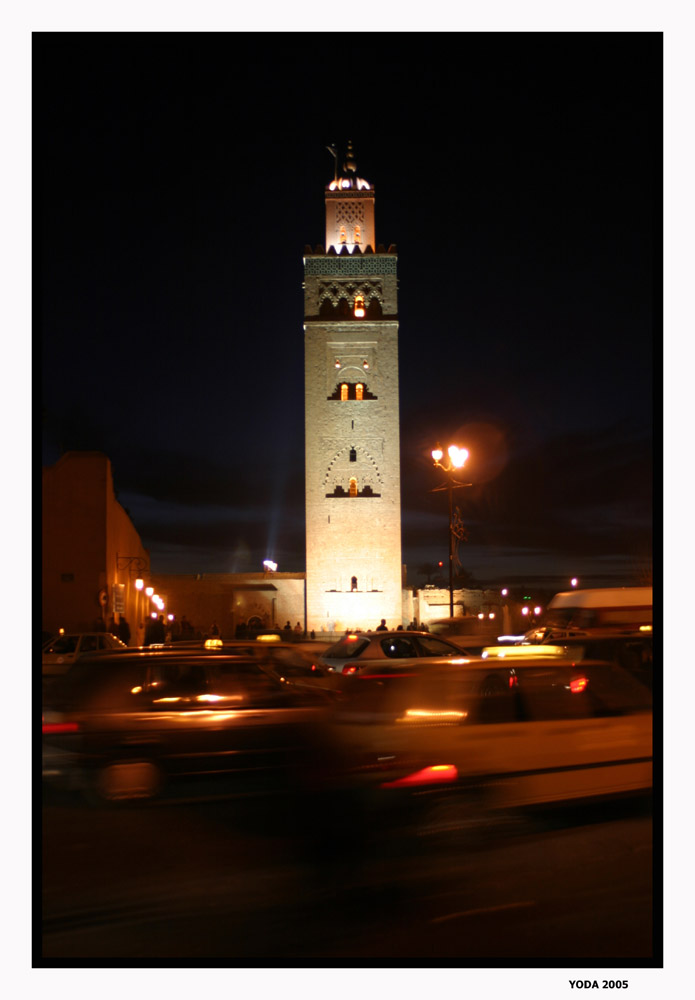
(125, 780)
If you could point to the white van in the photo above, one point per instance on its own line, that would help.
(603, 608)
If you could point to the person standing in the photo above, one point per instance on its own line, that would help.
(124, 631)
(382, 627)
(156, 631)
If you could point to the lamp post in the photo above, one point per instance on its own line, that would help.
(455, 460)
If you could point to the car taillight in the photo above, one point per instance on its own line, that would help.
(59, 727)
(349, 670)
(513, 681)
(435, 775)
(578, 684)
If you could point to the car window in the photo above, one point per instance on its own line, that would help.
(245, 684)
(104, 642)
(398, 647)
(176, 680)
(88, 644)
(431, 646)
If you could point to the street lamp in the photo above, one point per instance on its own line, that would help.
(137, 567)
(455, 460)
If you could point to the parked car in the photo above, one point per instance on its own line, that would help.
(354, 650)
(59, 652)
(121, 727)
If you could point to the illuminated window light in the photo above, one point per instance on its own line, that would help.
(343, 392)
(359, 306)
(353, 487)
(359, 391)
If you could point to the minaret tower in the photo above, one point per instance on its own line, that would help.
(353, 494)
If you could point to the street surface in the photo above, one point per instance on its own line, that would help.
(230, 881)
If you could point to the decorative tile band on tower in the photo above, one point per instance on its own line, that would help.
(353, 505)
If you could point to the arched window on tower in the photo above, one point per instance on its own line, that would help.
(359, 391)
(353, 486)
(344, 391)
(342, 235)
(353, 454)
(359, 306)
(358, 234)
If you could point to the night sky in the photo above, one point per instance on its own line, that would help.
(177, 180)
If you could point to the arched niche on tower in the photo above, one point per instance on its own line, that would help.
(351, 389)
(352, 473)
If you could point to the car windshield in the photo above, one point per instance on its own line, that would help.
(63, 644)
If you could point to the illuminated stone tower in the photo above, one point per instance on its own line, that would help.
(353, 498)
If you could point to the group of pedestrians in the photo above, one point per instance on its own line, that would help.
(120, 628)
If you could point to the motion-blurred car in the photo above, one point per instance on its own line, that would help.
(120, 727)
(289, 661)
(556, 681)
(505, 684)
(59, 652)
(443, 690)
(633, 651)
(469, 631)
(356, 649)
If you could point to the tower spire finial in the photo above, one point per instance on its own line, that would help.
(350, 159)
